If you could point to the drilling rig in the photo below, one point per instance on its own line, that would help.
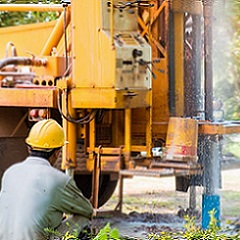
(124, 78)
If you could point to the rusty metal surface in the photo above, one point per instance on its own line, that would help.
(167, 172)
(28, 97)
(220, 128)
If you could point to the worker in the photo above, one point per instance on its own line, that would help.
(34, 195)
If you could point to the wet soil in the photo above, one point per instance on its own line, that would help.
(151, 205)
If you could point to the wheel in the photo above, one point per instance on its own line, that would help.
(83, 178)
(106, 186)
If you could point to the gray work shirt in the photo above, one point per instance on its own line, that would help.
(34, 196)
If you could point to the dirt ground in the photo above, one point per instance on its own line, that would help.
(152, 205)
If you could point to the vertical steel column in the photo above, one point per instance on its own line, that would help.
(193, 66)
(96, 175)
(71, 146)
(210, 154)
(127, 153)
(171, 60)
(211, 158)
(69, 150)
(208, 72)
(92, 138)
(179, 63)
(149, 131)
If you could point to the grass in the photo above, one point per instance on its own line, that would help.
(232, 145)
(230, 203)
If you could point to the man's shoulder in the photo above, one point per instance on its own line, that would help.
(58, 173)
(38, 165)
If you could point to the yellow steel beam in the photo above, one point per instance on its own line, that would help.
(35, 97)
(127, 140)
(179, 62)
(150, 37)
(71, 138)
(145, 27)
(156, 14)
(64, 123)
(218, 128)
(57, 33)
(31, 7)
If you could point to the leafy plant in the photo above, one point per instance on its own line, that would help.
(20, 18)
(66, 236)
(107, 233)
(192, 231)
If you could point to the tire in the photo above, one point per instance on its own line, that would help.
(83, 179)
(106, 186)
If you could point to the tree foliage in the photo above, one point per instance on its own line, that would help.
(20, 18)
(226, 42)
(226, 58)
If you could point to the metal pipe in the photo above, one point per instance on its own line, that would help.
(13, 48)
(171, 73)
(96, 176)
(112, 24)
(208, 72)
(127, 137)
(23, 61)
(31, 7)
(56, 34)
(17, 74)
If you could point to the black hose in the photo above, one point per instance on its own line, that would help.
(22, 61)
(84, 120)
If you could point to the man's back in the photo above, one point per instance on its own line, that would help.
(34, 195)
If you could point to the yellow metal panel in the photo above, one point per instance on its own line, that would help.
(160, 93)
(27, 38)
(109, 98)
(41, 97)
(179, 62)
(94, 59)
(107, 59)
(56, 66)
(160, 109)
(86, 25)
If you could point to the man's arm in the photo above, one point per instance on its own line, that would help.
(73, 201)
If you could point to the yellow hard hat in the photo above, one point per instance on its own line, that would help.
(46, 135)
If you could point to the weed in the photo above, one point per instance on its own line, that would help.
(107, 233)
(193, 232)
(63, 236)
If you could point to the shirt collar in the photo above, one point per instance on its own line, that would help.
(37, 160)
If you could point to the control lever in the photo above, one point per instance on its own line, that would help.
(147, 63)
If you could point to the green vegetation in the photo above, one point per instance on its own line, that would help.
(226, 57)
(20, 18)
(231, 144)
(192, 231)
(107, 233)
